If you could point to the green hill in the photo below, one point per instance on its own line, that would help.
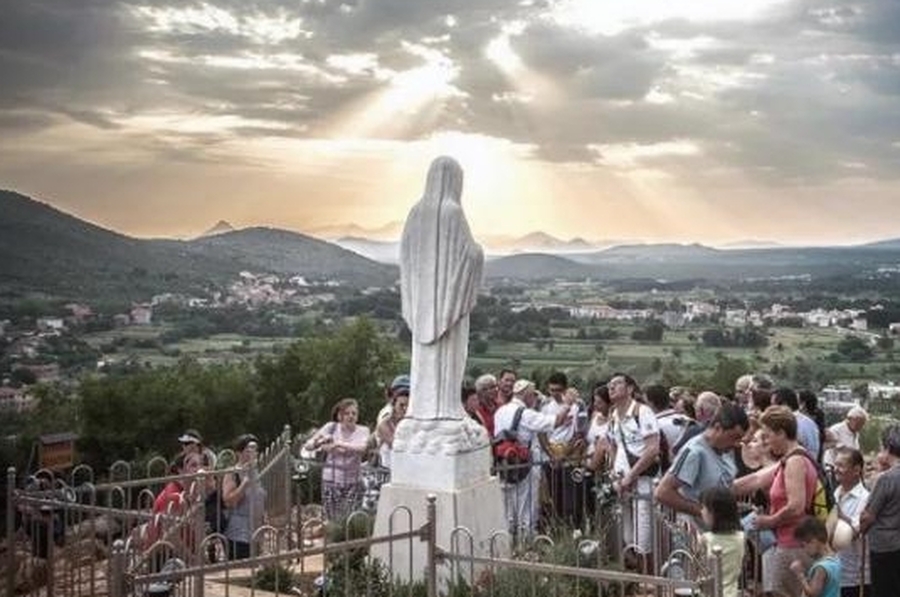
(46, 251)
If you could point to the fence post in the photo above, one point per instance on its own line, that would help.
(10, 531)
(286, 480)
(51, 552)
(116, 577)
(717, 571)
(431, 573)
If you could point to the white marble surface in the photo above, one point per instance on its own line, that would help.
(475, 511)
(439, 471)
(441, 267)
(437, 448)
(439, 436)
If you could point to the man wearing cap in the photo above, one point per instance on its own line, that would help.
(520, 499)
(844, 434)
(399, 387)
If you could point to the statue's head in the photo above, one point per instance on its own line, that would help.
(445, 180)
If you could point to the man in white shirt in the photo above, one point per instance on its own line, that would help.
(560, 446)
(844, 434)
(634, 437)
(850, 500)
(521, 499)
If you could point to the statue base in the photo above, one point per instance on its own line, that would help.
(470, 521)
(439, 437)
(440, 472)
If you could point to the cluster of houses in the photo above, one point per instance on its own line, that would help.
(698, 310)
(256, 290)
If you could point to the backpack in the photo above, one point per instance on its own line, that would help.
(512, 460)
(822, 501)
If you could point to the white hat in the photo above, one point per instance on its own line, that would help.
(842, 535)
(191, 436)
(521, 386)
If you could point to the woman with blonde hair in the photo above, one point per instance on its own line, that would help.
(345, 444)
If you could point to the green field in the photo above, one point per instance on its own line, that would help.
(680, 354)
(214, 348)
(682, 351)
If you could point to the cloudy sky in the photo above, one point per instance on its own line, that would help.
(679, 120)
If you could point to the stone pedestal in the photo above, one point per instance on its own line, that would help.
(469, 513)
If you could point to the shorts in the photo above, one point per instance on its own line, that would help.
(777, 576)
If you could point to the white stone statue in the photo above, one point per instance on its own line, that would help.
(440, 272)
(439, 451)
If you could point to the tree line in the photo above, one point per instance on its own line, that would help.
(137, 415)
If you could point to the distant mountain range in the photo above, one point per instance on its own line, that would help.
(387, 232)
(43, 250)
(47, 251)
(388, 251)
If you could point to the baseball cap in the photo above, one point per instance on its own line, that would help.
(401, 382)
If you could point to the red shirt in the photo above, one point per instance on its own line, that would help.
(485, 416)
(778, 499)
(169, 502)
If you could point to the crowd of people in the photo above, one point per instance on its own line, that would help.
(743, 469)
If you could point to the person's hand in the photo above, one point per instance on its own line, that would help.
(762, 521)
(798, 568)
(627, 482)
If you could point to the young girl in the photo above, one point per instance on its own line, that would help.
(720, 515)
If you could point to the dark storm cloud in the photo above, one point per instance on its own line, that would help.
(61, 51)
(787, 97)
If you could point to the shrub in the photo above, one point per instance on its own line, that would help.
(274, 578)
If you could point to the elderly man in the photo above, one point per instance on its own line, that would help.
(743, 391)
(706, 407)
(518, 418)
(844, 434)
(850, 499)
(487, 389)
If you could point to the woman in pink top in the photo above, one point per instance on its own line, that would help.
(791, 484)
(345, 443)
